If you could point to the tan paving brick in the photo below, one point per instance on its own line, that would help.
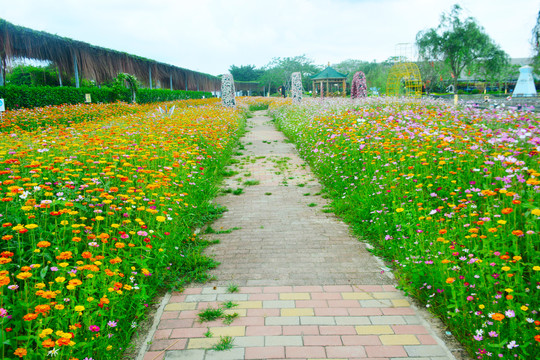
(202, 343)
(228, 331)
(356, 296)
(295, 296)
(403, 339)
(180, 306)
(373, 329)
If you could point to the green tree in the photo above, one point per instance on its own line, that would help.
(245, 73)
(278, 72)
(460, 43)
(33, 75)
(536, 43)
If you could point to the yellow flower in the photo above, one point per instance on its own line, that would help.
(64, 222)
(31, 226)
(79, 308)
(63, 264)
(39, 286)
(508, 290)
(162, 218)
(60, 279)
(399, 210)
(59, 307)
(536, 212)
(502, 222)
(99, 218)
(505, 268)
(481, 306)
(524, 308)
(45, 332)
(536, 268)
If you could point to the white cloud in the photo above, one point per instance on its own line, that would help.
(211, 35)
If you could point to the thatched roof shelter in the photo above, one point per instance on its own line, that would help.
(93, 62)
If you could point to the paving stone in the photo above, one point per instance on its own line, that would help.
(317, 320)
(232, 354)
(249, 341)
(403, 339)
(278, 320)
(424, 350)
(185, 355)
(283, 341)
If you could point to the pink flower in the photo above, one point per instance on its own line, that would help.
(93, 328)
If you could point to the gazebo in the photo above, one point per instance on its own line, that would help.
(329, 81)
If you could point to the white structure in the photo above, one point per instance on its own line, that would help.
(525, 83)
(296, 87)
(227, 91)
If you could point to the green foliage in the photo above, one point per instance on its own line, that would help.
(278, 72)
(225, 343)
(17, 97)
(245, 72)
(232, 288)
(460, 44)
(33, 76)
(210, 314)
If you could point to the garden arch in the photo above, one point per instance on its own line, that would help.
(404, 79)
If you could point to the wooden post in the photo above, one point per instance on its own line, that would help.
(59, 76)
(2, 72)
(150, 76)
(76, 70)
(327, 88)
(344, 88)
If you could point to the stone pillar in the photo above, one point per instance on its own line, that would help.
(296, 87)
(76, 70)
(227, 91)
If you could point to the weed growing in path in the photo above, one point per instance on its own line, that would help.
(225, 343)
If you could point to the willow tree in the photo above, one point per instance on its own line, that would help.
(536, 43)
(460, 43)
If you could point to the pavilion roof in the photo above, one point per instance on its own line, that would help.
(329, 73)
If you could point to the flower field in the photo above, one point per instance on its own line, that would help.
(97, 212)
(450, 196)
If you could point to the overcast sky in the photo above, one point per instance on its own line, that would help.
(211, 35)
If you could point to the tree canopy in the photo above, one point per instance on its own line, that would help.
(245, 72)
(461, 44)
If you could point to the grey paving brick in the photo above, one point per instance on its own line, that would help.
(424, 350)
(285, 320)
(195, 354)
(232, 354)
(283, 341)
(317, 320)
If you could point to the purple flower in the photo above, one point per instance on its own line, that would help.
(112, 323)
(493, 334)
(478, 337)
(510, 313)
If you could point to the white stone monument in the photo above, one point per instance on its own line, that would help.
(525, 83)
(228, 91)
(296, 87)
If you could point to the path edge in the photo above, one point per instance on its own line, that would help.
(150, 334)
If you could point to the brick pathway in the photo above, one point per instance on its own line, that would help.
(307, 289)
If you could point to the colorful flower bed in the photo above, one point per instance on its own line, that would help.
(98, 209)
(450, 196)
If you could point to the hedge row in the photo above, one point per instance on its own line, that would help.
(16, 97)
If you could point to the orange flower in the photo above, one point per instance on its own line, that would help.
(4, 280)
(63, 341)
(86, 254)
(517, 232)
(64, 255)
(537, 338)
(450, 280)
(43, 244)
(507, 210)
(20, 352)
(42, 309)
(29, 317)
(75, 282)
(497, 317)
(442, 231)
(76, 239)
(48, 343)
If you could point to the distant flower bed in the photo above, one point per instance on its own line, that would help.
(450, 196)
(98, 208)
